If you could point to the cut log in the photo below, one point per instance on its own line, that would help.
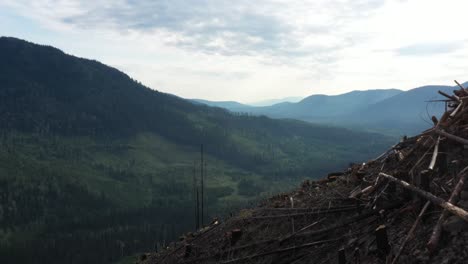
(300, 230)
(292, 218)
(345, 223)
(449, 96)
(434, 154)
(341, 256)
(354, 193)
(311, 209)
(425, 179)
(301, 214)
(461, 87)
(436, 233)
(235, 236)
(281, 250)
(429, 196)
(443, 119)
(417, 163)
(382, 240)
(460, 105)
(452, 137)
(364, 191)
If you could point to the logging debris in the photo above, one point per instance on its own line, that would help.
(409, 205)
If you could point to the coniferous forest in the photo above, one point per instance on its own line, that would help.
(96, 167)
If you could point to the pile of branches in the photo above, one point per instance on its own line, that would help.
(409, 205)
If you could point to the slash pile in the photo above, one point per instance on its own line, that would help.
(406, 206)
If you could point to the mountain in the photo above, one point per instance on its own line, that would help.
(465, 85)
(408, 112)
(313, 106)
(95, 166)
(394, 113)
(291, 99)
(390, 111)
(239, 107)
(230, 105)
(325, 105)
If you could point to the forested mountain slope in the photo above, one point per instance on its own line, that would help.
(330, 105)
(387, 111)
(408, 112)
(95, 166)
(315, 106)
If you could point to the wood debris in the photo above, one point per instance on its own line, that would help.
(409, 205)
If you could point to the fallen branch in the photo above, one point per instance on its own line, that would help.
(453, 98)
(350, 220)
(452, 137)
(456, 109)
(243, 259)
(429, 196)
(300, 230)
(411, 232)
(461, 87)
(434, 155)
(436, 233)
(381, 239)
(302, 214)
(364, 191)
(411, 172)
(443, 120)
(312, 209)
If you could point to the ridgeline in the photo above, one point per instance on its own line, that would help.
(94, 166)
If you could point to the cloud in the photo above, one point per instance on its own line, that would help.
(248, 50)
(208, 26)
(212, 74)
(428, 49)
(242, 27)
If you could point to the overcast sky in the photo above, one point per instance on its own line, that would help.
(248, 50)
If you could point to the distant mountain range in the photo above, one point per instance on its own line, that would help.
(389, 111)
(292, 99)
(230, 105)
(240, 107)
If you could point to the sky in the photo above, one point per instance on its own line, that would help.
(250, 51)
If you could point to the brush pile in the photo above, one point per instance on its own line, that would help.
(409, 205)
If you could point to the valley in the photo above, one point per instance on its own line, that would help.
(91, 159)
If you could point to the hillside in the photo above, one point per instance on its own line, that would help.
(95, 166)
(409, 111)
(388, 111)
(230, 105)
(314, 106)
(408, 205)
(234, 106)
(290, 99)
(322, 106)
